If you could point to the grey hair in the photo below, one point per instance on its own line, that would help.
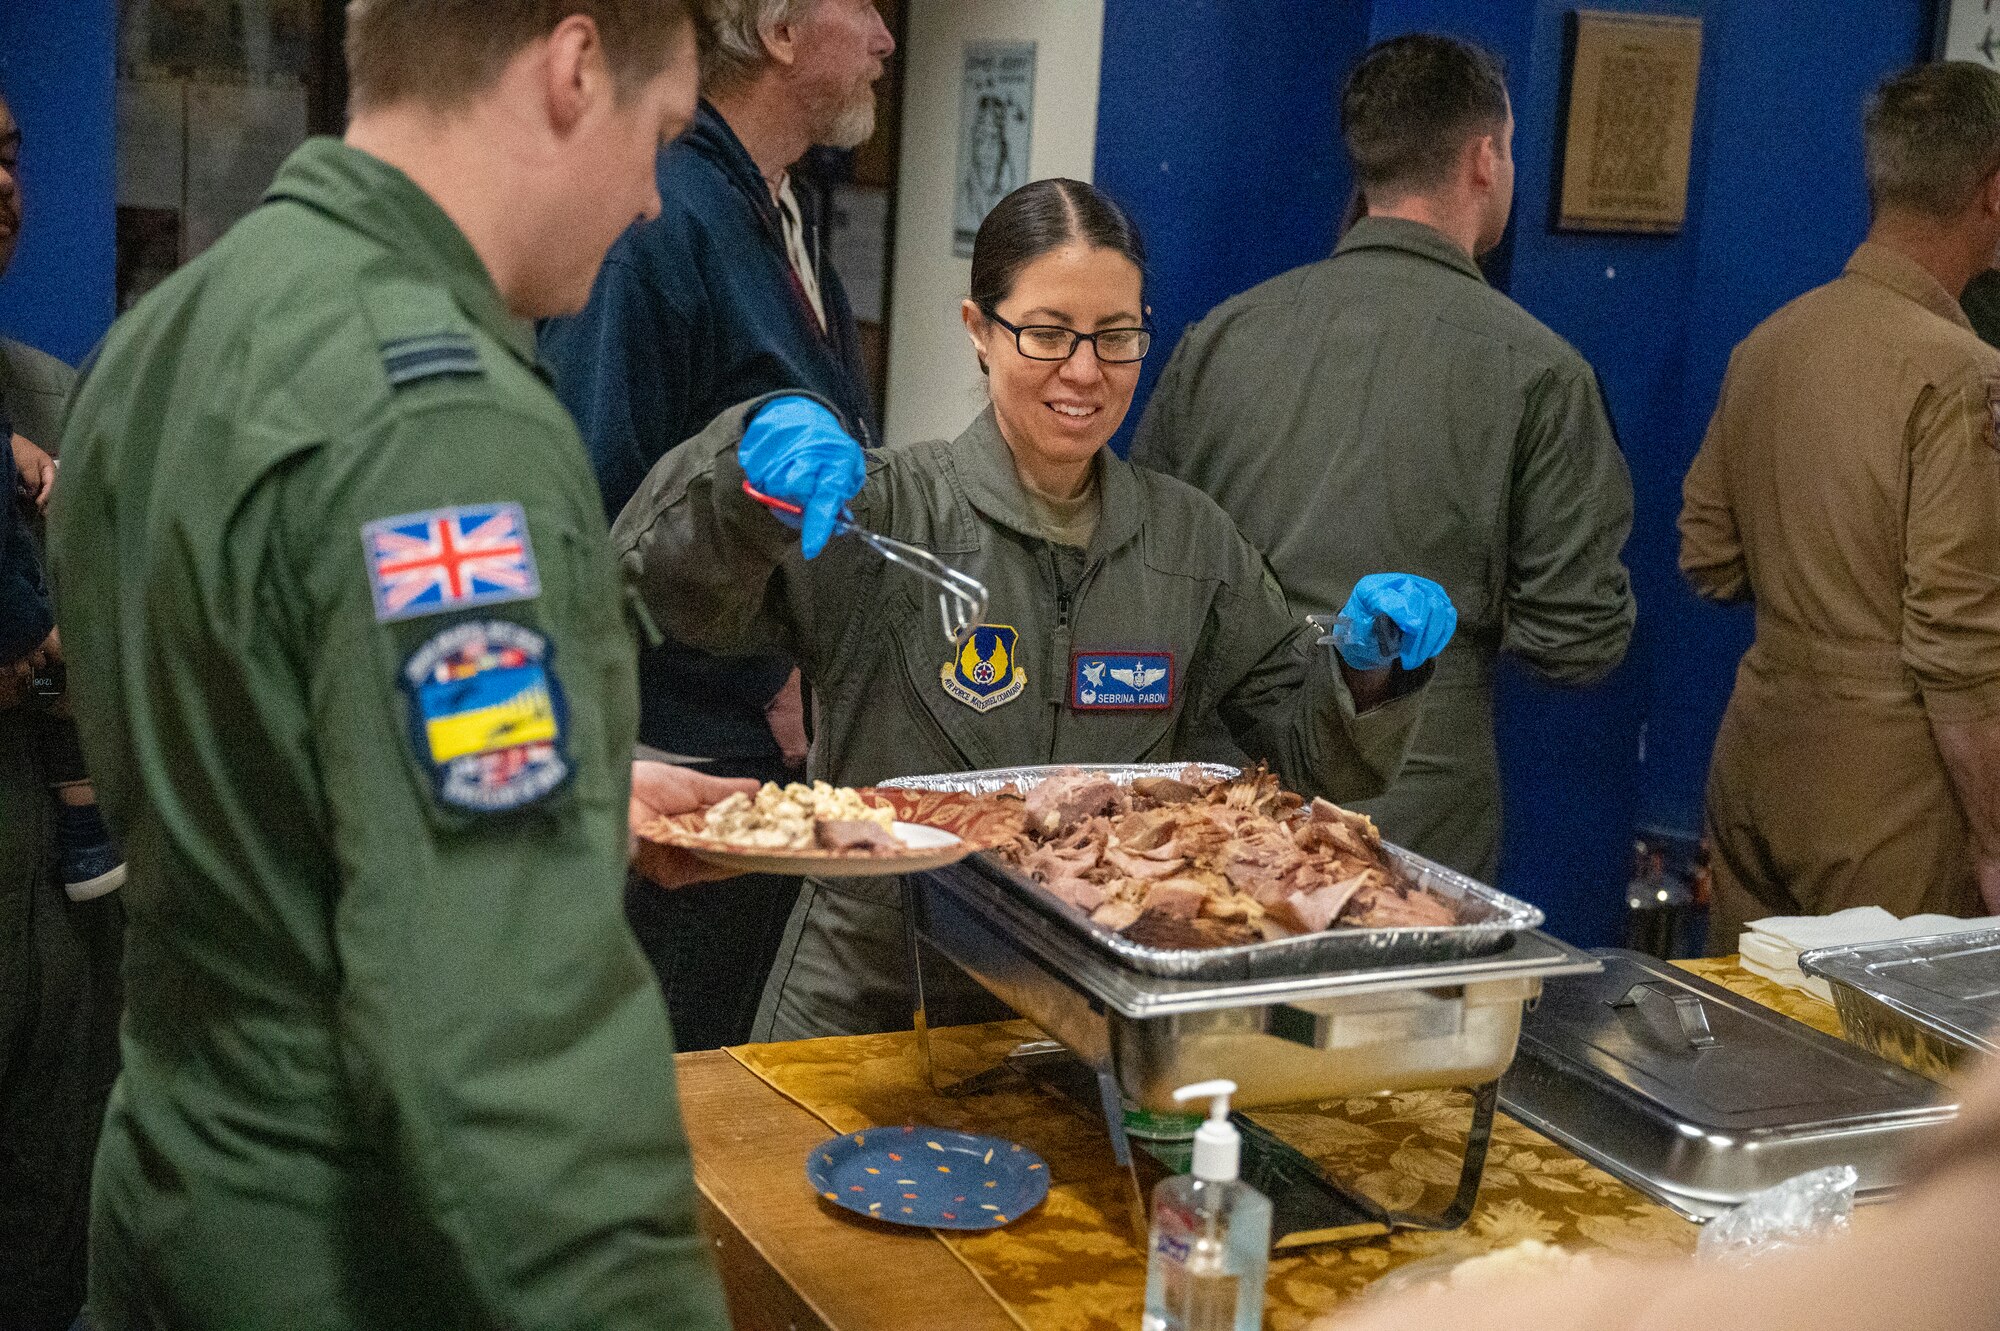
(732, 37)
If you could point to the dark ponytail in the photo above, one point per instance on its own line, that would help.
(1041, 216)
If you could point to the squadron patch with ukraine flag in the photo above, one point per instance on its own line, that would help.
(984, 675)
(487, 716)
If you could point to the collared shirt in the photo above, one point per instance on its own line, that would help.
(1849, 486)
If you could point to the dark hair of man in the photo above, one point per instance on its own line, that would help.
(442, 53)
(1410, 106)
(1932, 137)
(1039, 217)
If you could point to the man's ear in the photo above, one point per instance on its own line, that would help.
(1483, 165)
(1989, 195)
(574, 71)
(781, 41)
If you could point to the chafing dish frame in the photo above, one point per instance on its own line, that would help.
(1390, 1027)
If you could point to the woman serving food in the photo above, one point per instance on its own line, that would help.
(1126, 612)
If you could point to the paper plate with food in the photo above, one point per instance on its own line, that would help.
(821, 830)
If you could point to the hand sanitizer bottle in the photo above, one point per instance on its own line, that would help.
(1211, 1235)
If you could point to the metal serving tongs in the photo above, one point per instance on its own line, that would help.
(962, 598)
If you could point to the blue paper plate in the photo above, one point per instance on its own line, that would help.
(932, 1177)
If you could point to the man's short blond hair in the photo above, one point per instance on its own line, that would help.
(732, 37)
(443, 52)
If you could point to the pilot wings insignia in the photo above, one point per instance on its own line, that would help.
(1140, 676)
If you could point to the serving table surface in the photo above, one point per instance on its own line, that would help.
(793, 1262)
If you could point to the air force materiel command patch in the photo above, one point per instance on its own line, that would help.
(1121, 681)
(487, 716)
(449, 559)
(983, 675)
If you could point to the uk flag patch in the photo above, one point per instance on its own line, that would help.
(449, 559)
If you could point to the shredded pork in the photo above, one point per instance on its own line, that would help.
(1202, 863)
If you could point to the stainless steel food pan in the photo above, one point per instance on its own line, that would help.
(1489, 920)
(1282, 1039)
(1701, 1097)
(1926, 1003)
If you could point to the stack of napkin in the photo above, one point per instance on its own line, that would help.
(1771, 946)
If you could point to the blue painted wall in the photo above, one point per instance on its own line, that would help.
(1215, 128)
(1253, 183)
(56, 67)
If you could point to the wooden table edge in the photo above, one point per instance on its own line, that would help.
(767, 1229)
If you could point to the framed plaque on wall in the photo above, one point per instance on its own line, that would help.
(1628, 135)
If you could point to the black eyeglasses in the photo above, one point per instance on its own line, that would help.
(1114, 346)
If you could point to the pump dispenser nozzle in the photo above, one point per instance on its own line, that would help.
(1218, 1147)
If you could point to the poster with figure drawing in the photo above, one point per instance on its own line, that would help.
(996, 112)
(1969, 30)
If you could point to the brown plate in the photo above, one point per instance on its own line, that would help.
(926, 848)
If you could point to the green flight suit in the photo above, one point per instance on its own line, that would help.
(1387, 409)
(1166, 580)
(59, 994)
(34, 386)
(355, 676)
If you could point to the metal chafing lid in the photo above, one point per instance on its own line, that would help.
(1947, 983)
(1708, 1060)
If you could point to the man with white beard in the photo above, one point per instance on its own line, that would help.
(729, 294)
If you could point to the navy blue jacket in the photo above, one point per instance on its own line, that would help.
(24, 598)
(693, 313)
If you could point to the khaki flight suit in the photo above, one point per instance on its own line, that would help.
(1167, 583)
(1849, 487)
(1387, 409)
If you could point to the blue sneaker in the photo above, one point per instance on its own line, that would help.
(91, 864)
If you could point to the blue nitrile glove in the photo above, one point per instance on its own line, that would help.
(794, 449)
(1393, 617)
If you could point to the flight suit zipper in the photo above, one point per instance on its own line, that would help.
(1052, 570)
(1063, 645)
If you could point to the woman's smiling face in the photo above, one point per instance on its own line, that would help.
(1055, 415)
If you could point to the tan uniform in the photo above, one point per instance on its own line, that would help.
(1850, 488)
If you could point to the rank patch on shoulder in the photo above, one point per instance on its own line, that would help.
(984, 675)
(408, 360)
(487, 716)
(1121, 681)
(449, 559)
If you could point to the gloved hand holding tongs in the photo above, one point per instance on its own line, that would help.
(800, 463)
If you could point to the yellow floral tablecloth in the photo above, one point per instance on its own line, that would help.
(1070, 1265)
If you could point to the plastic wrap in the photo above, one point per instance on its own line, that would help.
(1799, 1212)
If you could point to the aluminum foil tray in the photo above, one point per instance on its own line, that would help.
(1489, 920)
(1930, 1004)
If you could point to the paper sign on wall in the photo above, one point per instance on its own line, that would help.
(996, 113)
